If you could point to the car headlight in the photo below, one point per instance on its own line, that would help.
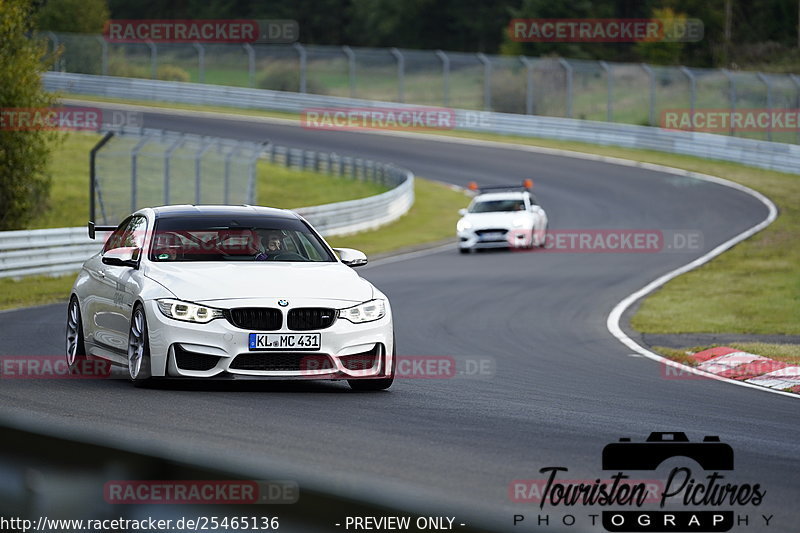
(188, 312)
(518, 222)
(463, 224)
(366, 312)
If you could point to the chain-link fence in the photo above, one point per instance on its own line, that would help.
(592, 90)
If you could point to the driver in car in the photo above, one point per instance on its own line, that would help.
(274, 245)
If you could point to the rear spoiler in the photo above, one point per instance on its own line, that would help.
(94, 229)
(527, 185)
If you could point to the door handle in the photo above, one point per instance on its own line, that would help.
(101, 273)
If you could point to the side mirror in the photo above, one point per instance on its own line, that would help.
(125, 257)
(462, 211)
(350, 257)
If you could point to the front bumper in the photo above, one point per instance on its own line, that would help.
(345, 349)
(474, 239)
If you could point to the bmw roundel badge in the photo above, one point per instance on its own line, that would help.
(283, 303)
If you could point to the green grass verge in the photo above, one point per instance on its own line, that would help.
(34, 290)
(789, 353)
(753, 288)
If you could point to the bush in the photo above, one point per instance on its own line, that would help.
(285, 76)
(24, 155)
(172, 73)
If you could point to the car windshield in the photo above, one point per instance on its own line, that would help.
(232, 238)
(488, 206)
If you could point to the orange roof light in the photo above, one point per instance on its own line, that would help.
(528, 183)
(473, 186)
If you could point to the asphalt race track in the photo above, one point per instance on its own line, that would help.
(560, 386)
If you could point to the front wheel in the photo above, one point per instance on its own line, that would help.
(138, 348)
(76, 349)
(376, 384)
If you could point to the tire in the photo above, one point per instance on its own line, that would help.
(463, 250)
(376, 384)
(139, 348)
(75, 346)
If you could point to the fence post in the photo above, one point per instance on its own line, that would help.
(568, 72)
(796, 80)
(765, 81)
(528, 84)
(153, 59)
(445, 76)
(652, 75)
(610, 88)
(731, 95)
(302, 57)
(201, 62)
(135, 170)
(351, 69)
(93, 175)
(198, 162)
(226, 193)
(692, 92)
(56, 43)
(487, 81)
(401, 72)
(253, 170)
(103, 55)
(251, 65)
(168, 163)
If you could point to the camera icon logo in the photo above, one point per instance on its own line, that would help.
(710, 454)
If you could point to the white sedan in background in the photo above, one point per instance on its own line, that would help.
(229, 292)
(502, 216)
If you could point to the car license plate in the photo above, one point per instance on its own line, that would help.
(284, 341)
(497, 236)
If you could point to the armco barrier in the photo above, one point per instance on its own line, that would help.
(762, 154)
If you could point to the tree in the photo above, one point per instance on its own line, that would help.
(24, 155)
(77, 16)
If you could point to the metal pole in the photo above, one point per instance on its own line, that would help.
(692, 92)
(167, 164)
(652, 76)
(56, 43)
(796, 80)
(445, 76)
(251, 65)
(766, 82)
(568, 72)
(401, 69)
(302, 56)
(93, 172)
(487, 81)
(227, 183)
(610, 88)
(731, 96)
(252, 171)
(351, 69)
(103, 55)
(528, 85)
(198, 162)
(201, 62)
(153, 60)
(135, 170)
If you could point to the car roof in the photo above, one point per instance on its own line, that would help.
(505, 195)
(187, 211)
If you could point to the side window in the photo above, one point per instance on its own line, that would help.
(311, 252)
(116, 237)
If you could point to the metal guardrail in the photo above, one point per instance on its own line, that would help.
(762, 154)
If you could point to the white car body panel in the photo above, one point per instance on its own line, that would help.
(520, 229)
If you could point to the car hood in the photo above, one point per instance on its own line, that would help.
(500, 219)
(224, 281)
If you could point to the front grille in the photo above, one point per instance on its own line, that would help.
(186, 360)
(271, 362)
(360, 361)
(306, 318)
(256, 318)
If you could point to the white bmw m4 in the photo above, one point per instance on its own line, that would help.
(229, 292)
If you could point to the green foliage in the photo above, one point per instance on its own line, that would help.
(284, 76)
(76, 16)
(663, 53)
(24, 155)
